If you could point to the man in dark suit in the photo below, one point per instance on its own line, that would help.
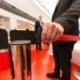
(38, 29)
(64, 21)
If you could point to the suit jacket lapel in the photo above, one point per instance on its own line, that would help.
(57, 5)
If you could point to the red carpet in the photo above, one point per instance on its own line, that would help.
(42, 62)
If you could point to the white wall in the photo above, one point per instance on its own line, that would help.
(6, 24)
(13, 23)
(13, 18)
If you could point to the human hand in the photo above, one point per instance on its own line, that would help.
(51, 32)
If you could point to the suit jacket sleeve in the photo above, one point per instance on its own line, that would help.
(36, 27)
(70, 17)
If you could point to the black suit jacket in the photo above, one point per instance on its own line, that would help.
(37, 26)
(67, 14)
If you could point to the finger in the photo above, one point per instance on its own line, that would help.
(52, 37)
(44, 32)
(49, 32)
(57, 36)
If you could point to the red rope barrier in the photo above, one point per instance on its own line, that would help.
(69, 38)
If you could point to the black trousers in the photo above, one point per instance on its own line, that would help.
(38, 46)
(38, 42)
(62, 56)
